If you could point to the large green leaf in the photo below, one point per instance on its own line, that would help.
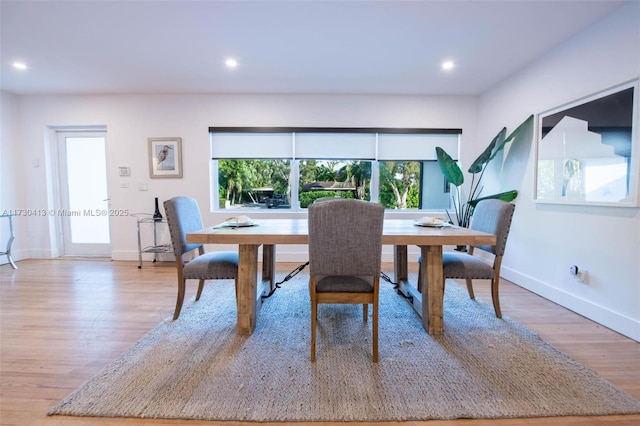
(449, 167)
(487, 155)
(513, 136)
(507, 196)
(520, 128)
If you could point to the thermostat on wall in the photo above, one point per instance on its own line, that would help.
(124, 171)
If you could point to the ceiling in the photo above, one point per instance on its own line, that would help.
(296, 46)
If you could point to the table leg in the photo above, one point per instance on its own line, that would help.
(432, 289)
(400, 268)
(401, 276)
(428, 302)
(248, 299)
(269, 266)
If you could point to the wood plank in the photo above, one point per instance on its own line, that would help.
(400, 268)
(248, 301)
(295, 231)
(269, 265)
(433, 292)
(412, 294)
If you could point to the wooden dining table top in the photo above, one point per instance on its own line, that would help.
(296, 231)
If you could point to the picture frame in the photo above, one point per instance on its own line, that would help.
(587, 150)
(165, 157)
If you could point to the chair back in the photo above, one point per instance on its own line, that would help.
(323, 199)
(493, 217)
(345, 238)
(183, 216)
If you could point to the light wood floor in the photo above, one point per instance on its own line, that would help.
(63, 321)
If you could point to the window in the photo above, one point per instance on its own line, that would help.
(333, 178)
(253, 183)
(400, 184)
(288, 168)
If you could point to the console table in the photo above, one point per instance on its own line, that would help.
(11, 238)
(155, 248)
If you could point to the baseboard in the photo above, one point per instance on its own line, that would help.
(622, 324)
(17, 255)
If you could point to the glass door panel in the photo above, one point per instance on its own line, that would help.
(84, 196)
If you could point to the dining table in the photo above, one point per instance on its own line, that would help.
(401, 233)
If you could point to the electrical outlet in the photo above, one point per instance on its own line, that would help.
(573, 270)
(578, 274)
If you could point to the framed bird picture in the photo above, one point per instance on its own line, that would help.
(165, 157)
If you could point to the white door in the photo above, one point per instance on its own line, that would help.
(84, 201)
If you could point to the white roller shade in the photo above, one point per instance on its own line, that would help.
(251, 145)
(394, 146)
(356, 146)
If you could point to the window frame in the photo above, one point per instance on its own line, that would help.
(294, 178)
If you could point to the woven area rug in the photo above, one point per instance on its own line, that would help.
(482, 367)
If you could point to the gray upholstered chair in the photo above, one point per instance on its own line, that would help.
(183, 216)
(492, 217)
(345, 249)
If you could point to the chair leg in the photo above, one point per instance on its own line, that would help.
(374, 332)
(314, 319)
(470, 288)
(497, 262)
(200, 287)
(495, 296)
(365, 312)
(314, 316)
(180, 300)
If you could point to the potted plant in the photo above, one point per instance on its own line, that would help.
(454, 176)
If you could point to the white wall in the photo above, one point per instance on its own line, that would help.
(546, 239)
(130, 120)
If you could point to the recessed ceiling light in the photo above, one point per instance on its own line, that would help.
(448, 65)
(231, 63)
(20, 65)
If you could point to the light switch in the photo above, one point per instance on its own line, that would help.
(142, 186)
